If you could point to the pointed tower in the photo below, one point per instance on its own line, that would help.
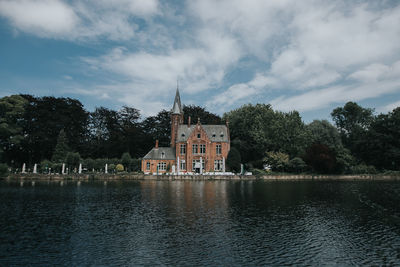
(176, 117)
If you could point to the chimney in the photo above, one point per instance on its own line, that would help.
(156, 144)
(189, 122)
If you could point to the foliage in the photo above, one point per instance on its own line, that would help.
(277, 160)
(45, 165)
(363, 169)
(380, 146)
(233, 160)
(322, 132)
(73, 160)
(126, 160)
(197, 112)
(320, 158)
(89, 163)
(3, 170)
(296, 165)
(61, 150)
(12, 109)
(119, 167)
(111, 167)
(258, 128)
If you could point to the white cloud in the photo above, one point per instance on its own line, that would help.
(45, 17)
(78, 20)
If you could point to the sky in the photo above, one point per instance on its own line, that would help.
(311, 55)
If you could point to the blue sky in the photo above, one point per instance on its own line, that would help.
(310, 56)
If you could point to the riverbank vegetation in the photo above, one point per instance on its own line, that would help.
(50, 131)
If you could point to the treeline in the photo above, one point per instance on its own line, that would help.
(52, 130)
(30, 127)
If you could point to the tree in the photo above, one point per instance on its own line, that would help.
(126, 160)
(196, 112)
(320, 158)
(296, 165)
(255, 129)
(73, 160)
(277, 160)
(61, 150)
(322, 132)
(380, 146)
(12, 110)
(353, 121)
(233, 160)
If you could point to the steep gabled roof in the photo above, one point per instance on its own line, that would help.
(155, 153)
(216, 133)
(177, 107)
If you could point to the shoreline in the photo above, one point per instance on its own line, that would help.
(143, 177)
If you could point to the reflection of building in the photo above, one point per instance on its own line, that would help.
(194, 148)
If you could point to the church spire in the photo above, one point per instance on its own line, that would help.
(177, 108)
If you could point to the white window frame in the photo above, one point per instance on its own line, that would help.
(183, 165)
(148, 165)
(183, 149)
(195, 149)
(162, 166)
(218, 165)
(202, 149)
(218, 149)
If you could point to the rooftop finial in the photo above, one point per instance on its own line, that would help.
(177, 107)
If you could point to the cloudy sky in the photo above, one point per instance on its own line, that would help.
(311, 56)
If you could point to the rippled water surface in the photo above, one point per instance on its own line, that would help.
(195, 223)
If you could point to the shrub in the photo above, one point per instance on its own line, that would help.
(297, 165)
(3, 170)
(233, 160)
(277, 160)
(111, 167)
(363, 169)
(119, 168)
(45, 165)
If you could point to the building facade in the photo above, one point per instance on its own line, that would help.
(195, 148)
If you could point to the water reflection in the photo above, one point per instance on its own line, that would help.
(200, 223)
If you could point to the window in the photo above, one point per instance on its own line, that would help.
(183, 149)
(183, 165)
(161, 166)
(148, 165)
(183, 135)
(195, 149)
(163, 155)
(199, 135)
(196, 164)
(202, 149)
(221, 134)
(217, 165)
(218, 149)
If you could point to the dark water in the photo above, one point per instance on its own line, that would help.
(200, 223)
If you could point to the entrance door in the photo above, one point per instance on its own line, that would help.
(196, 166)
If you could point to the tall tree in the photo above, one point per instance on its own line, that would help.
(61, 149)
(12, 109)
(353, 121)
(196, 112)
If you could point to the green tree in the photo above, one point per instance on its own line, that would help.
(353, 121)
(3, 169)
(322, 132)
(380, 146)
(73, 159)
(61, 149)
(126, 160)
(12, 109)
(277, 160)
(255, 129)
(196, 112)
(233, 160)
(296, 165)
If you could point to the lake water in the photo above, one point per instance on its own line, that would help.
(198, 223)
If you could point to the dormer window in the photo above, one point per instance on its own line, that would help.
(163, 155)
(222, 134)
(183, 135)
(213, 135)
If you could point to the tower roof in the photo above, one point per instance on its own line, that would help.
(177, 107)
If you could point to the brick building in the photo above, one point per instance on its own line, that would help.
(195, 148)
